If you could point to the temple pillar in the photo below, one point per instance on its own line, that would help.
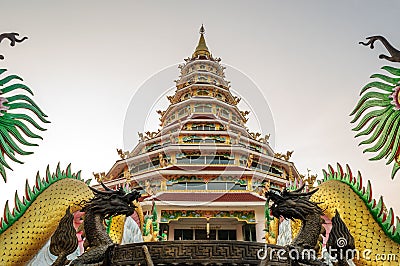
(173, 158)
(260, 224)
(237, 158)
(239, 232)
(171, 232)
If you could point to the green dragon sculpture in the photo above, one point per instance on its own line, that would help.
(377, 112)
(14, 123)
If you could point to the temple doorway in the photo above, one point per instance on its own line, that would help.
(207, 229)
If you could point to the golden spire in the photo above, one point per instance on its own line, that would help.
(201, 49)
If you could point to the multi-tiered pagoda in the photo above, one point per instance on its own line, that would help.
(203, 169)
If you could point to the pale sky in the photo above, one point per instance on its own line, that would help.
(84, 60)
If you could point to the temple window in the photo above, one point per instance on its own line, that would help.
(182, 112)
(235, 118)
(226, 234)
(218, 185)
(153, 147)
(249, 232)
(276, 171)
(255, 148)
(178, 186)
(225, 113)
(243, 161)
(145, 166)
(192, 139)
(187, 186)
(210, 159)
(214, 139)
(196, 186)
(238, 186)
(213, 185)
(203, 127)
(203, 108)
(183, 234)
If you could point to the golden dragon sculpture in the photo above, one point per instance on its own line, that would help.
(27, 228)
(375, 229)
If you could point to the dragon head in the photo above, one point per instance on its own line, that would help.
(111, 202)
(292, 204)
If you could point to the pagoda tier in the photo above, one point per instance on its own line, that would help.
(204, 147)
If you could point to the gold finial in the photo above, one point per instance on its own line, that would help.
(202, 30)
(201, 49)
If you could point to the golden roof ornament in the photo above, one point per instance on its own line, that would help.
(201, 49)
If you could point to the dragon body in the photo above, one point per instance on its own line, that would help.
(375, 229)
(26, 228)
(29, 226)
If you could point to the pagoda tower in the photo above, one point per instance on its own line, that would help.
(203, 169)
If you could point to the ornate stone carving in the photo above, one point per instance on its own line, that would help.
(170, 99)
(200, 253)
(173, 215)
(244, 113)
(151, 135)
(254, 135)
(100, 177)
(265, 139)
(163, 161)
(285, 157)
(141, 137)
(123, 154)
(161, 113)
(249, 161)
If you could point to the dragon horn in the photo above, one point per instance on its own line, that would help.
(101, 192)
(105, 187)
(299, 189)
(303, 194)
